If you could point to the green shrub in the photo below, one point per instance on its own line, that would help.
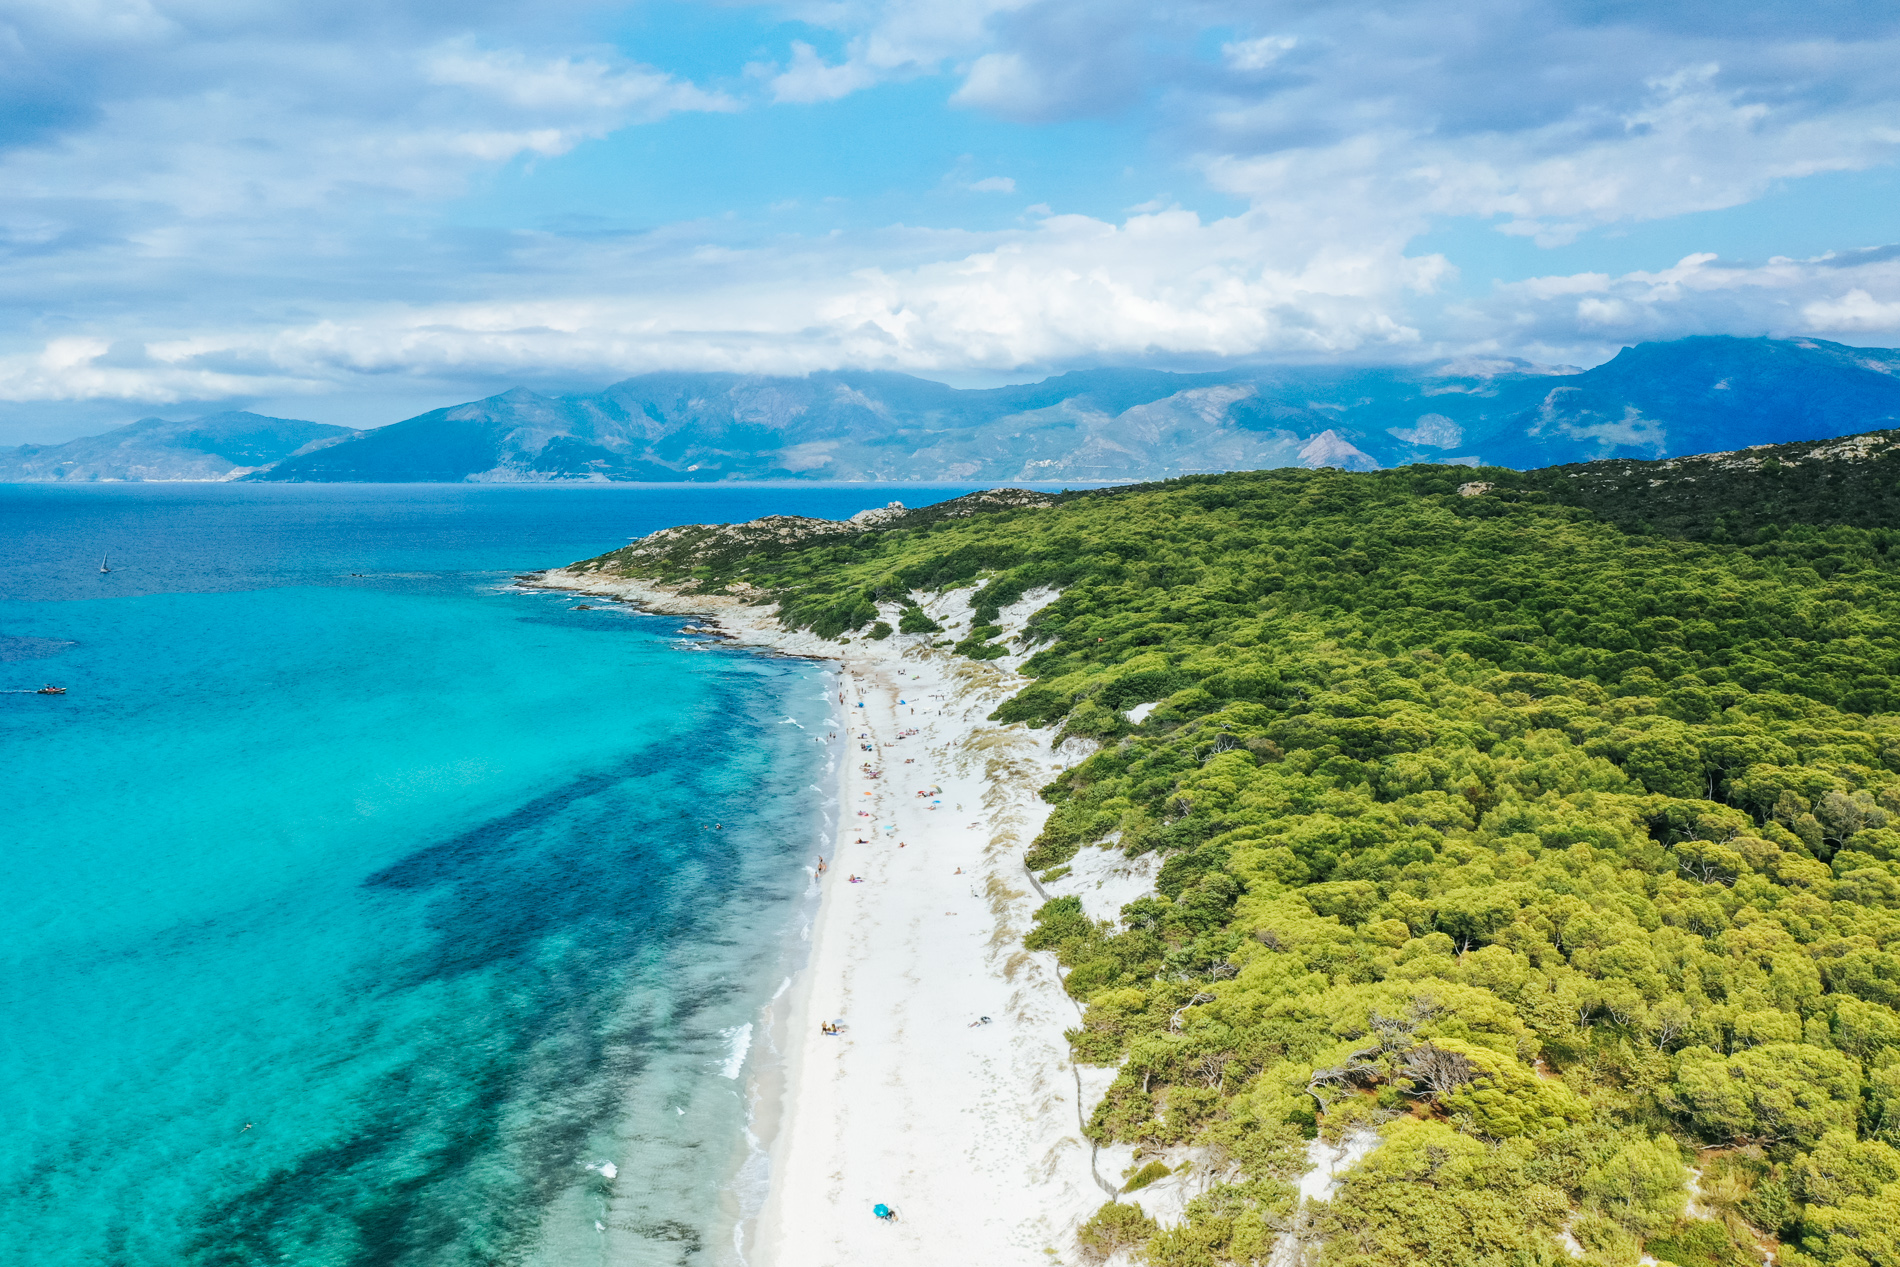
(977, 644)
(1113, 1229)
(1642, 1185)
(1698, 1243)
(880, 631)
(1153, 1172)
(1058, 920)
(913, 620)
(1093, 1047)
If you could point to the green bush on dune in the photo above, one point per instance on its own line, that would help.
(1153, 1172)
(914, 620)
(1114, 1228)
(1563, 852)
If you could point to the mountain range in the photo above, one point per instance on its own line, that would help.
(215, 447)
(1654, 400)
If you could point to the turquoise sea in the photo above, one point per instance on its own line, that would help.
(362, 908)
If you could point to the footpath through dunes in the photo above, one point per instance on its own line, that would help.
(1529, 863)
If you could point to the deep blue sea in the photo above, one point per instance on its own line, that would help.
(358, 907)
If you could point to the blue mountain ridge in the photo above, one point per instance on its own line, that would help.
(1654, 400)
(217, 446)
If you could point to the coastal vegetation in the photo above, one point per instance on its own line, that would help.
(1546, 823)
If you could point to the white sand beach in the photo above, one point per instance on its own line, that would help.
(970, 1130)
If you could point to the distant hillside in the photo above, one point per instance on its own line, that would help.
(1742, 497)
(1651, 401)
(216, 447)
(1656, 400)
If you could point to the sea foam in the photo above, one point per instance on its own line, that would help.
(738, 1043)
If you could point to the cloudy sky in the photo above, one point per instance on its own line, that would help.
(355, 210)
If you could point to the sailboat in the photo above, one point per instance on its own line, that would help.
(102, 562)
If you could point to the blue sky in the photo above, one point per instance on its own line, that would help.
(355, 211)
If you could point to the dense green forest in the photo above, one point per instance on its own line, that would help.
(1550, 827)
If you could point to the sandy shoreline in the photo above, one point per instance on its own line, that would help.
(971, 1130)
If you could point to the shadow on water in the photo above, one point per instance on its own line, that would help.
(542, 919)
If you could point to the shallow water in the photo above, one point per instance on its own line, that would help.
(396, 918)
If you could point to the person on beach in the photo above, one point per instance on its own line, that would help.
(821, 864)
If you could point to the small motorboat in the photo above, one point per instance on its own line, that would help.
(50, 689)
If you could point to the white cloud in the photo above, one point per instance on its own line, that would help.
(569, 85)
(922, 34)
(809, 79)
(1002, 82)
(994, 185)
(1069, 288)
(74, 369)
(1435, 430)
(1160, 288)
(1689, 146)
(895, 39)
(1571, 284)
(252, 126)
(1257, 54)
(1855, 312)
(1603, 313)
(1588, 316)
